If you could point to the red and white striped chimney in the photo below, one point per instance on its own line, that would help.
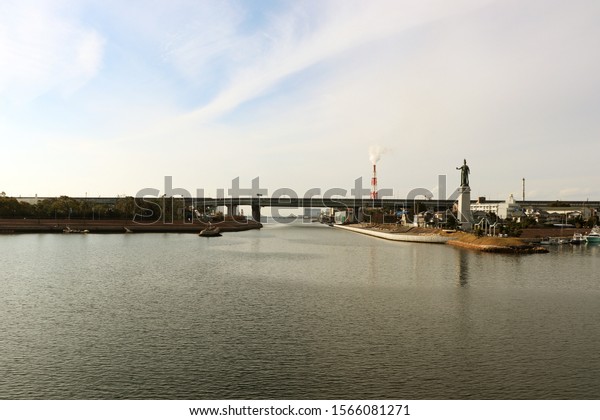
(374, 183)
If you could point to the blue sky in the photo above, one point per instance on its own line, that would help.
(109, 97)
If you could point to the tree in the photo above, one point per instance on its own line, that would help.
(591, 221)
(451, 220)
(511, 228)
(9, 207)
(528, 222)
(125, 207)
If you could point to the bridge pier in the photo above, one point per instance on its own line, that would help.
(232, 209)
(256, 212)
(358, 214)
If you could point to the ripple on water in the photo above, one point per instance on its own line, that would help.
(292, 312)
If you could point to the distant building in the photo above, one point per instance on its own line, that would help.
(554, 213)
(30, 200)
(503, 209)
(548, 214)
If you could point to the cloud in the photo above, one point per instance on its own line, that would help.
(43, 47)
(438, 82)
(195, 46)
(295, 92)
(309, 34)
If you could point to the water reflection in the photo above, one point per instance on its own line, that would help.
(462, 269)
(373, 264)
(286, 312)
(593, 249)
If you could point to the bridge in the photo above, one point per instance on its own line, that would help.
(356, 203)
(258, 202)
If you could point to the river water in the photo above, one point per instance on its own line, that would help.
(293, 311)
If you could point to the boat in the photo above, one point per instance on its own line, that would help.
(553, 241)
(69, 230)
(210, 231)
(594, 236)
(577, 239)
(545, 241)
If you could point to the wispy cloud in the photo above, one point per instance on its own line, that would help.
(43, 47)
(205, 43)
(308, 34)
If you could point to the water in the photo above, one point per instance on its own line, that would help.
(293, 312)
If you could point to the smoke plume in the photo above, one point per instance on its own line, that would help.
(375, 153)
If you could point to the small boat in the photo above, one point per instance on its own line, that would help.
(210, 231)
(69, 230)
(594, 236)
(553, 241)
(577, 239)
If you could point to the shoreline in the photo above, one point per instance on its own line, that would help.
(525, 248)
(18, 226)
(458, 239)
(431, 238)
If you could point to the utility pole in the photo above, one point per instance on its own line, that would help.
(523, 189)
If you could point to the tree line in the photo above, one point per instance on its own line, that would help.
(167, 209)
(66, 208)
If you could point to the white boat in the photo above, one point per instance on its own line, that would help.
(553, 241)
(594, 236)
(577, 239)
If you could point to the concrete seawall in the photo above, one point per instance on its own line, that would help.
(401, 237)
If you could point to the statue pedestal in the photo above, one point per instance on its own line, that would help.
(464, 209)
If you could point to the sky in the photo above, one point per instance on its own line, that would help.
(106, 98)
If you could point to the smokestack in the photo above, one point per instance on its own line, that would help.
(523, 189)
(374, 183)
